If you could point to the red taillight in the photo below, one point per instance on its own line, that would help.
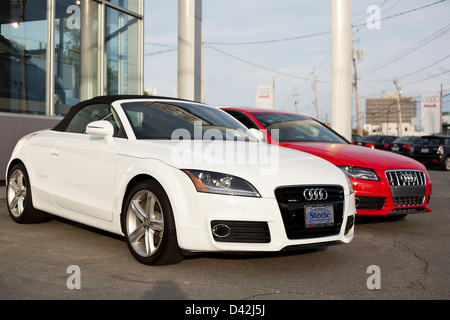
(440, 150)
(386, 146)
(407, 147)
(370, 145)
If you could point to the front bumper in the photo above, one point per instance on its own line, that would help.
(391, 196)
(254, 225)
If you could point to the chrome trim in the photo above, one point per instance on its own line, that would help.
(315, 194)
(406, 177)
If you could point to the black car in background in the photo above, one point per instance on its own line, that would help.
(376, 141)
(356, 137)
(432, 150)
(403, 145)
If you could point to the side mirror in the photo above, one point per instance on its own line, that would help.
(102, 129)
(258, 134)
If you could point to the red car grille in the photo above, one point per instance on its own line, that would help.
(408, 187)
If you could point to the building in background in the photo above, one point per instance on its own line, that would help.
(55, 53)
(382, 114)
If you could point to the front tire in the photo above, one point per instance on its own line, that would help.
(149, 226)
(18, 197)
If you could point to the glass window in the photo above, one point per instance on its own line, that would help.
(156, 120)
(76, 53)
(122, 53)
(132, 5)
(296, 128)
(95, 112)
(23, 41)
(243, 118)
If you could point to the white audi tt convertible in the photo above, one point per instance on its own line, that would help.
(175, 176)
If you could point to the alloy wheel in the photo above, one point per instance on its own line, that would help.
(145, 223)
(17, 193)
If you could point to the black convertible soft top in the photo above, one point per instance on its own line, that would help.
(62, 125)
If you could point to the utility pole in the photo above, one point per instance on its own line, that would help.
(357, 54)
(295, 100)
(399, 110)
(314, 86)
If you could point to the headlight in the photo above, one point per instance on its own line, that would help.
(350, 186)
(360, 173)
(221, 183)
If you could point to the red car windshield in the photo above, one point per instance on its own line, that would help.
(285, 127)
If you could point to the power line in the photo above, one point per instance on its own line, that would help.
(430, 77)
(159, 52)
(272, 41)
(408, 51)
(159, 44)
(412, 73)
(317, 34)
(406, 12)
(257, 65)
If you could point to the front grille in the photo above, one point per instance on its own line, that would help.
(406, 178)
(292, 202)
(408, 187)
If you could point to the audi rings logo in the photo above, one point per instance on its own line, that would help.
(315, 194)
(408, 178)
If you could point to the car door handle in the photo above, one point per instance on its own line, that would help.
(54, 152)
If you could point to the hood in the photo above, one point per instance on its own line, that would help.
(358, 156)
(265, 166)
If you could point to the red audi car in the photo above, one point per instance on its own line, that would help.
(385, 183)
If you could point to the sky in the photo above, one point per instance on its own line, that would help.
(256, 42)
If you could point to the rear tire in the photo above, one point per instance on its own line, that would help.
(149, 226)
(19, 199)
(446, 163)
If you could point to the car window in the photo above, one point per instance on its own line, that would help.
(373, 138)
(429, 140)
(158, 120)
(390, 139)
(296, 128)
(95, 112)
(406, 139)
(4, 49)
(242, 117)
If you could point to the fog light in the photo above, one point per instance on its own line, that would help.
(221, 230)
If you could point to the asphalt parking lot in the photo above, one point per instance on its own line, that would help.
(387, 260)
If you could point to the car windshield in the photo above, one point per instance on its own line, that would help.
(296, 128)
(183, 120)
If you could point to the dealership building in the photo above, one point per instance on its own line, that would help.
(55, 53)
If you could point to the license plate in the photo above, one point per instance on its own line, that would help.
(395, 148)
(319, 216)
(424, 150)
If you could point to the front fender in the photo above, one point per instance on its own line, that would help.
(177, 185)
